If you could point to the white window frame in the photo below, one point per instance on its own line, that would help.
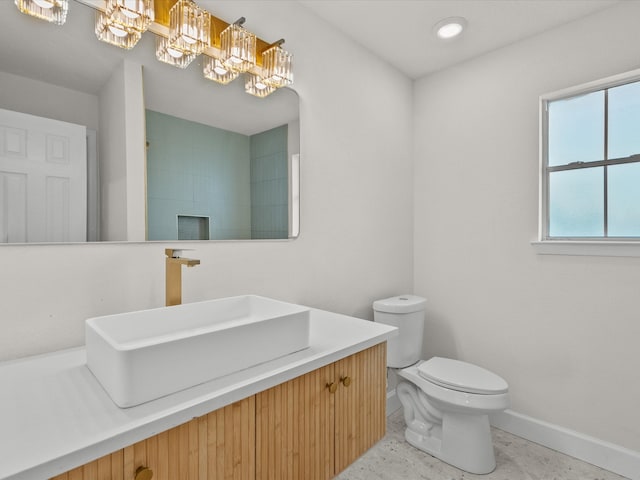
(588, 246)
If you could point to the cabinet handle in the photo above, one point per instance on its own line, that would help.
(143, 473)
(332, 387)
(346, 381)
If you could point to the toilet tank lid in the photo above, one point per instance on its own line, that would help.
(400, 304)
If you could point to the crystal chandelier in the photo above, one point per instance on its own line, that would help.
(183, 31)
(167, 54)
(54, 11)
(276, 65)
(189, 28)
(124, 21)
(115, 33)
(238, 47)
(136, 14)
(214, 69)
(255, 85)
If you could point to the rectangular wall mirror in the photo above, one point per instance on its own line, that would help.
(165, 154)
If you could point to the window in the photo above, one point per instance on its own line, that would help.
(590, 161)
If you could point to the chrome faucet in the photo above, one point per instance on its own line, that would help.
(173, 273)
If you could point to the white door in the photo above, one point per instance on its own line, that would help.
(43, 179)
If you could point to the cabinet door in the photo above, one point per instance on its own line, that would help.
(294, 429)
(231, 442)
(219, 445)
(360, 407)
(216, 446)
(109, 467)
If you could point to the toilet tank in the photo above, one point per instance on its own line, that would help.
(407, 313)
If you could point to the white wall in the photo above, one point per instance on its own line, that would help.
(25, 95)
(356, 230)
(135, 149)
(112, 158)
(122, 155)
(563, 331)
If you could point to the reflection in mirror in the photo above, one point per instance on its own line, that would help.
(64, 73)
(219, 157)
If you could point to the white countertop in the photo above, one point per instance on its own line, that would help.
(55, 416)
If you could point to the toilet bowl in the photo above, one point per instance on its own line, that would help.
(447, 414)
(446, 402)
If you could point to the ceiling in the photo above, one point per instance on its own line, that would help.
(401, 31)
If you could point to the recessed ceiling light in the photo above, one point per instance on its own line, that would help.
(449, 28)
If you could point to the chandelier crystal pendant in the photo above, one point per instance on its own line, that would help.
(136, 14)
(167, 54)
(276, 65)
(214, 69)
(189, 28)
(115, 33)
(54, 11)
(255, 85)
(238, 47)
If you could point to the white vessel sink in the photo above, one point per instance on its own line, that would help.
(141, 356)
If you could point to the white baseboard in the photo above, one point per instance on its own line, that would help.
(609, 456)
(592, 450)
(393, 402)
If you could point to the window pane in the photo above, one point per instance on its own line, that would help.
(576, 129)
(576, 203)
(624, 120)
(624, 200)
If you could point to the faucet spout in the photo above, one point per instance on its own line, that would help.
(173, 274)
(189, 262)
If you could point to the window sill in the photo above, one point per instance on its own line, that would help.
(592, 248)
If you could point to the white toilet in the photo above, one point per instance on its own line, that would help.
(446, 402)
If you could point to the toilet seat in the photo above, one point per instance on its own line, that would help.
(462, 376)
(449, 423)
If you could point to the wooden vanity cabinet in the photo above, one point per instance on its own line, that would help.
(307, 430)
(302, 429)
(219, 445)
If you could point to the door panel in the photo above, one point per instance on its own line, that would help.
(43, 179)
(230, 442)
(216, 446)
(294, 429)
(219, 445)
(360, 411)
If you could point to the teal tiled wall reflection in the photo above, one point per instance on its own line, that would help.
(194, 169)
(239, 183)
(269, 184)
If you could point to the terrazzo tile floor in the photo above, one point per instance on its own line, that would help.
(517, 459)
